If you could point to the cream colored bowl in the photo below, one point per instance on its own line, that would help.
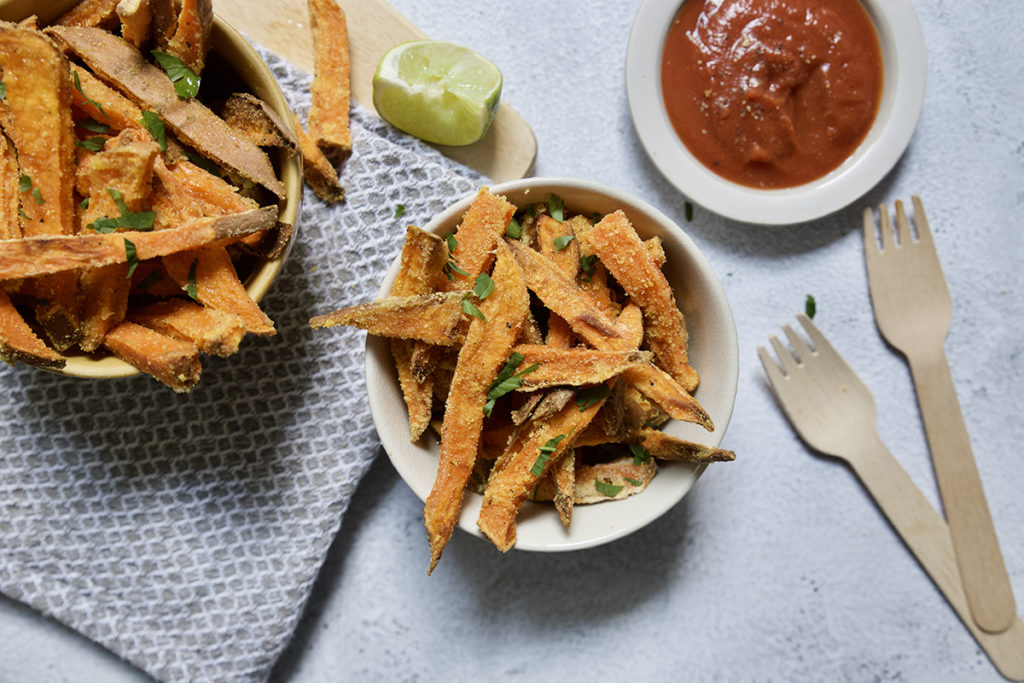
(713, 352)
(237, 57)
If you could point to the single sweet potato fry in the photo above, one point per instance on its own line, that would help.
(173, 362)
(121, 64)
(619, 478)
(128, 169)
(574, 367)
(666, 447)
(482, 226)
(191, 39)
(184, 192)
(433, 318)
(19, 343)
(487, 347)
(330, 90)
(209, 272)
(318, 171)
(114, 109)
(136, 21)
(563, 477)
(558, 242)
(10, 195)
(214, 332)
(90, 13)
(254, 118)
(622, 251)
(31, 256)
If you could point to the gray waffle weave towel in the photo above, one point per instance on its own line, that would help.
(184, 533)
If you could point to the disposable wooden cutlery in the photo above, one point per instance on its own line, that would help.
(913, 310)
(834, 412)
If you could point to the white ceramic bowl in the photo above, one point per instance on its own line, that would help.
(903, 56)
(232, 54)
(713, 352)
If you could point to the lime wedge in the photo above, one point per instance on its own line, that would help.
(439, 92)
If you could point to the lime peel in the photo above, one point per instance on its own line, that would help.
(443, 93)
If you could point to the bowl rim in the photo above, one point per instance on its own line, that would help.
(254, 72)
(416, 462)
(904, 67)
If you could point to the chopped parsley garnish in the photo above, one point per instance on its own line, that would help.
(3, 91)
(190, 288)
(94, 126)
(150, 280)
(483, 287)
(507, 380)
(469, 308)
(810, 307)
(556, 207)
(186, 82)
(588, 262)
(562, 242)
(452, 266)
(688, 209)
(84, 204)
(24, 183)
(202, 162)
(607, 488)
(155, 125)
(93, 144)
(453, 244)
(21, 212)
(514, 230)
(640, 454)
(78, 87)
(591, 395)
(38, 196)
(545, 454)
(140, 220)
(133, 257)
(634, 482)
(399, 211)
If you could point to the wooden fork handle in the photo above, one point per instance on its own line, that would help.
(986, 582)
(927, 535)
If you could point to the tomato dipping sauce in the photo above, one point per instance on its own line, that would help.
(771, 93)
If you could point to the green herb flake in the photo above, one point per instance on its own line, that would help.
(38, 196)
(94, 126)
(155, 125)
(507, 380)
(483, 287)
(78, 86)
(606, 488)
(150, 280)
(24, 183)
(132, 255)
(634, 482)
(21, 212)
(186, 82)
(640, 454)
(545, 454)
(202, 162)
(562, 242)
(453, 244)
(514, 231)
(84, 204)
(688, 210)
(810, 307)
(556, 207)
(399, 211)
(93, 144)
(452, 267)
(190, 288)
(3, 91)
(469, 308)
(591, 395)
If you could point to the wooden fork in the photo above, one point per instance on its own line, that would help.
(913, 310)
(834, 412)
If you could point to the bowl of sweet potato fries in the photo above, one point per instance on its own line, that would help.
(150, 185)
(551, 364)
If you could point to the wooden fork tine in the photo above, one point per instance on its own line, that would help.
(785, 357)
(818, 340)
(903, 224)
(888, 240)
(870, 235)
(803, 351)
(771, 368)
(924, 233)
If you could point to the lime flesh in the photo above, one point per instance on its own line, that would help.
(442, 93)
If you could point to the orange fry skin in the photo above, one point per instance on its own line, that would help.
(317, 169)
(574, 367)
(19, 343)
(191, 39)
(114, 110)
(330, 90)
(172, 362)
(90, 13)
(482, 226)
(487, 347)
(214, 332)
(622, 251)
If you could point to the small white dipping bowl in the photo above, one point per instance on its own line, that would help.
(903, 57)
(712, 349)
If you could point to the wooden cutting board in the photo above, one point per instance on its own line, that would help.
(507, 151)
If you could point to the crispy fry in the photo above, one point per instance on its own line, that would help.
(621, 472)
(623, 253)
(563, 477)
(104, 292)
(121, 64)
(521, 467)
(330, 90)
(319, 173)
(191, 39)
(574, 367)
(136, 20)
(165, 21)
(483, 224)
(10, 196)
(486, 348)
(125, 168)
(656, 384)
(185, 192)
(566, 257)
(433, 318)
(214, 332)
(666, 447)
(31, 256)
(90, 13)
(173, 362)
(254, 118)
(212, 274)
(19, 343)
(114, 110)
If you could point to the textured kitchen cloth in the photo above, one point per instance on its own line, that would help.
(184, 532)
